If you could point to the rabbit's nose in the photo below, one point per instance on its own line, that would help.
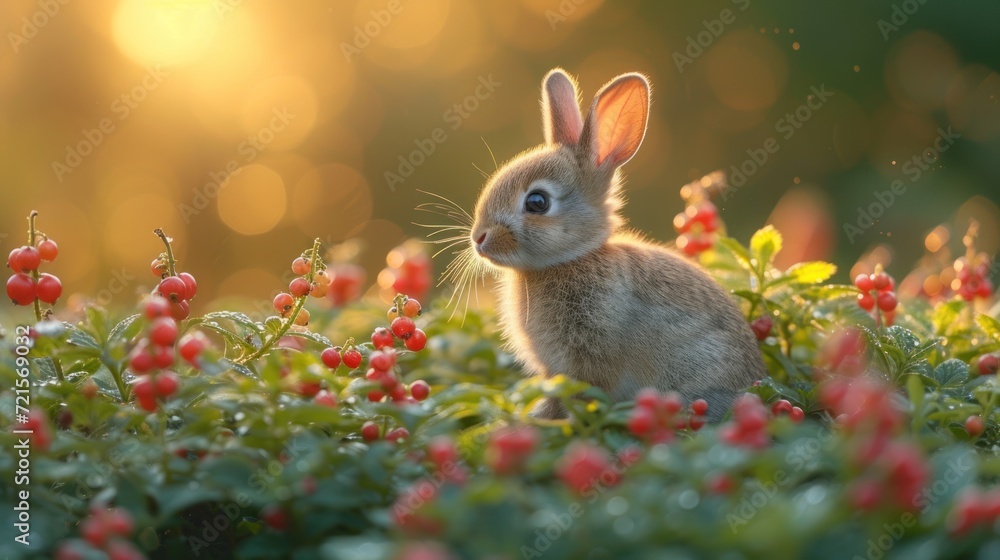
(481, 238)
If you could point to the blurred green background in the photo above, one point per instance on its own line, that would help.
(314, 101)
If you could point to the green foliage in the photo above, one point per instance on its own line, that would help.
(237, 438)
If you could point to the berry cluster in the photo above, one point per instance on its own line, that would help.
(656, 417)
(843, 353)
(176, 290)
(877, 289)
(976, 508)
(155, 352)
(696, 227)
(583, 465)
(896, 477)
(371, 431)
(784, 407)
(408, 271)
(104, 529)
(509, 448)
(26, 285)
(443, 454)
(748, 428)
(972, 281)
(866, 409)
(312, 279)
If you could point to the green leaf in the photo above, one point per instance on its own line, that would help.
(989, 325)
(309, 335)
(231, 338)
(952, 373)
(809, 272)
(764, 245)
(945, 314)
(738, 251)
(124, 328)
(239, 319)
(80, 338)
(904, 339)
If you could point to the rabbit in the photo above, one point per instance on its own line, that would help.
(579, 294)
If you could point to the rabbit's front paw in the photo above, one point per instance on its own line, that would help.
(550, 409)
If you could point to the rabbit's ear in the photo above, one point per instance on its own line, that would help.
(560, 109)
(616, 122)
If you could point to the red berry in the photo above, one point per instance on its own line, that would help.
(179, 310)
(302, 317)
(402, 327)
(671, 403)
(144, 387)
(382, 338)
(13, 262)
(308, 388)
(48, 250)
(190, 283)
(172, 288)
(441, 451)
(866, 301)
(88, 388)
(166, 384)
(325, 398)
(420, 389)
(299, 287)
(21, 289)
(584, 465)
(719, 483)
(797, 415)
(975, 426)
(881, 281)
(375, 396)
(163, 332)
(641, 421)
(761, 327)
(301, 267)
(370, 431)
(119, 522)
(275, 517)
(411, 308)
(887, 301)
(397, 392)
(156, 306)
(382, 360)
(283, 303)
(509, 447)
(163, 356)
(397, 434)
(699, 407)
(865, 495)
(140, 361)
(696, 423)
(28, 258)
(331, 357)
(781, 406)
(94, 532)
(647, 398)
(417, 340)
(318, 290)
(988, 364)
(352, 358)
(158, 267)
(191, 347)
(864, 283)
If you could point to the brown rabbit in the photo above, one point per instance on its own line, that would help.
(582, 296)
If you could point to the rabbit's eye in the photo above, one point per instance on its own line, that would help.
(536, 203)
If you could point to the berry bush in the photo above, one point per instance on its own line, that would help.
(346, 427)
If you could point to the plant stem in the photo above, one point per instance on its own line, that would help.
(299, 303)
(171, 263)
(34, 273)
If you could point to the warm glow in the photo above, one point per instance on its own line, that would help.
(253, 201)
